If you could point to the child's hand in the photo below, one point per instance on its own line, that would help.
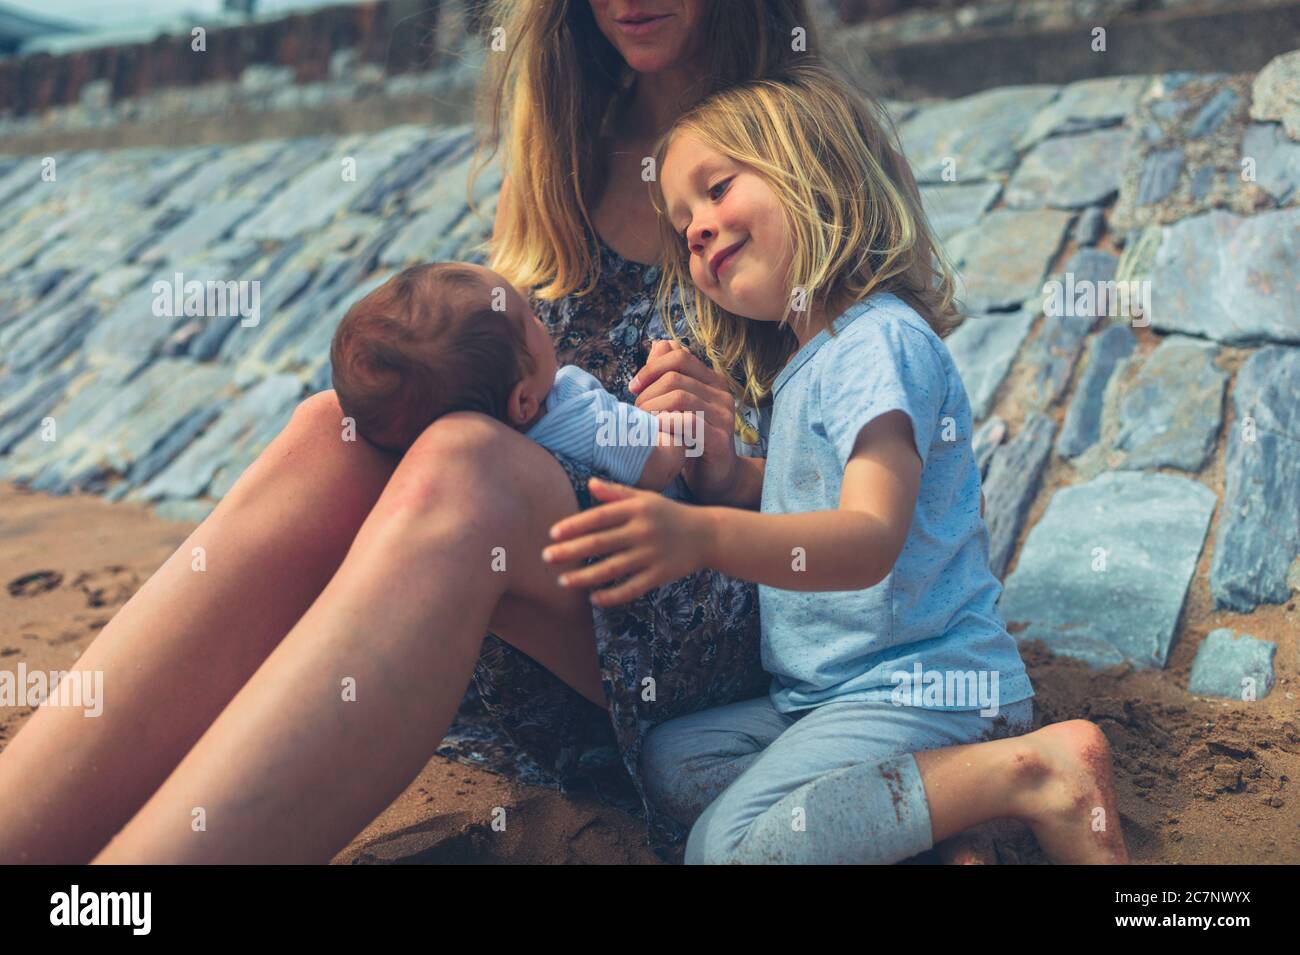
(673, 379)
(639, 533)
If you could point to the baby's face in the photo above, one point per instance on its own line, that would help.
(720, 203)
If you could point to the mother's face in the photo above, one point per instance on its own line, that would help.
(668, 39)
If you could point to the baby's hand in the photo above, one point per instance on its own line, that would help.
(639, 533)
(669, 456)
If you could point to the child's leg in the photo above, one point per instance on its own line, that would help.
(838, 787)
(687, 762)
(800, 803)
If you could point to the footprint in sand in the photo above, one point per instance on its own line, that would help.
(108, 587)
(29, 585)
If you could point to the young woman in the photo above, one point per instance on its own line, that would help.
(329, 561)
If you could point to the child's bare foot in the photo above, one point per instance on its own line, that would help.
(1067, 795)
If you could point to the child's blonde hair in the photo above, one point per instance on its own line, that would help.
(830, 154)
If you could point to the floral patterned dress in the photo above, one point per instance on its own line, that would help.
(686, 646)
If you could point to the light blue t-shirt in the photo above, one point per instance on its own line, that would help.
(935, 617)
(586, 423)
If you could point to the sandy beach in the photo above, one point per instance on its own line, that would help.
(1199, 780)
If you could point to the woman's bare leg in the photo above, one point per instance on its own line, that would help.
(1057, 780)
(179, 650)
(298, 763)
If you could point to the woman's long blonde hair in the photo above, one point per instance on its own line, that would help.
(830, 154)
(551, 82)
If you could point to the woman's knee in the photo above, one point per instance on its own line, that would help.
(312, 460)
(480, 469)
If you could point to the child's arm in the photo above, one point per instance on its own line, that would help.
(656, 540)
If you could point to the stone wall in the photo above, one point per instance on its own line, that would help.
(1128, 249)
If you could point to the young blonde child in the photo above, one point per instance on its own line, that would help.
(817, 285)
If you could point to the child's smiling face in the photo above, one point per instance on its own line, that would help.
(719, 204)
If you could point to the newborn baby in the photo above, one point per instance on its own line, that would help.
(454, 336)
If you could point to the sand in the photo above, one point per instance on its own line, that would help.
(1199, 780)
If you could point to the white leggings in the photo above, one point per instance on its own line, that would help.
(835, 784)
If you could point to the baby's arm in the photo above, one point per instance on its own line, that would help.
(851, 547)
(664, 464)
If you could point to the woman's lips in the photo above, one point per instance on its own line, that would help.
(643, 27)
(722, 263)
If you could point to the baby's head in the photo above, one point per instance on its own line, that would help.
(433, 339)
(803, 173)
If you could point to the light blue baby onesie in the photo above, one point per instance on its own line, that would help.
(586, 423)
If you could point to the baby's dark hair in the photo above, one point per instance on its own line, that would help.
(425, 343)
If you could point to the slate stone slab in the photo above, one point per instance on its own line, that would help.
(1082, 426)
(986, 440)
(173, 442)
(136, 329)
(23, 409)
(1258, 536)
(1170, 415)
(1084, 106)
(1236, 669)
(203, 227)
(1275, 94)
(1090, 227)
(1012, 482)
(1212, 113)
(1002, 263)
(317, 196)
(108, 425)
(219, 177)
(232, 438)
(952, 208)
(1103, 575)
(1071, 304)
(46, 342)
(405, 173)
(418, 238)
(1277, 159)
(1230, 278)
(982, 348)
(978, 133)
(1091, 266)
(1160, 171)
(447, 183)
(1052, 356)
(1202, 181)
(1070, 172)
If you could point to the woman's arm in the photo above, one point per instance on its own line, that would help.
(655, 540)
